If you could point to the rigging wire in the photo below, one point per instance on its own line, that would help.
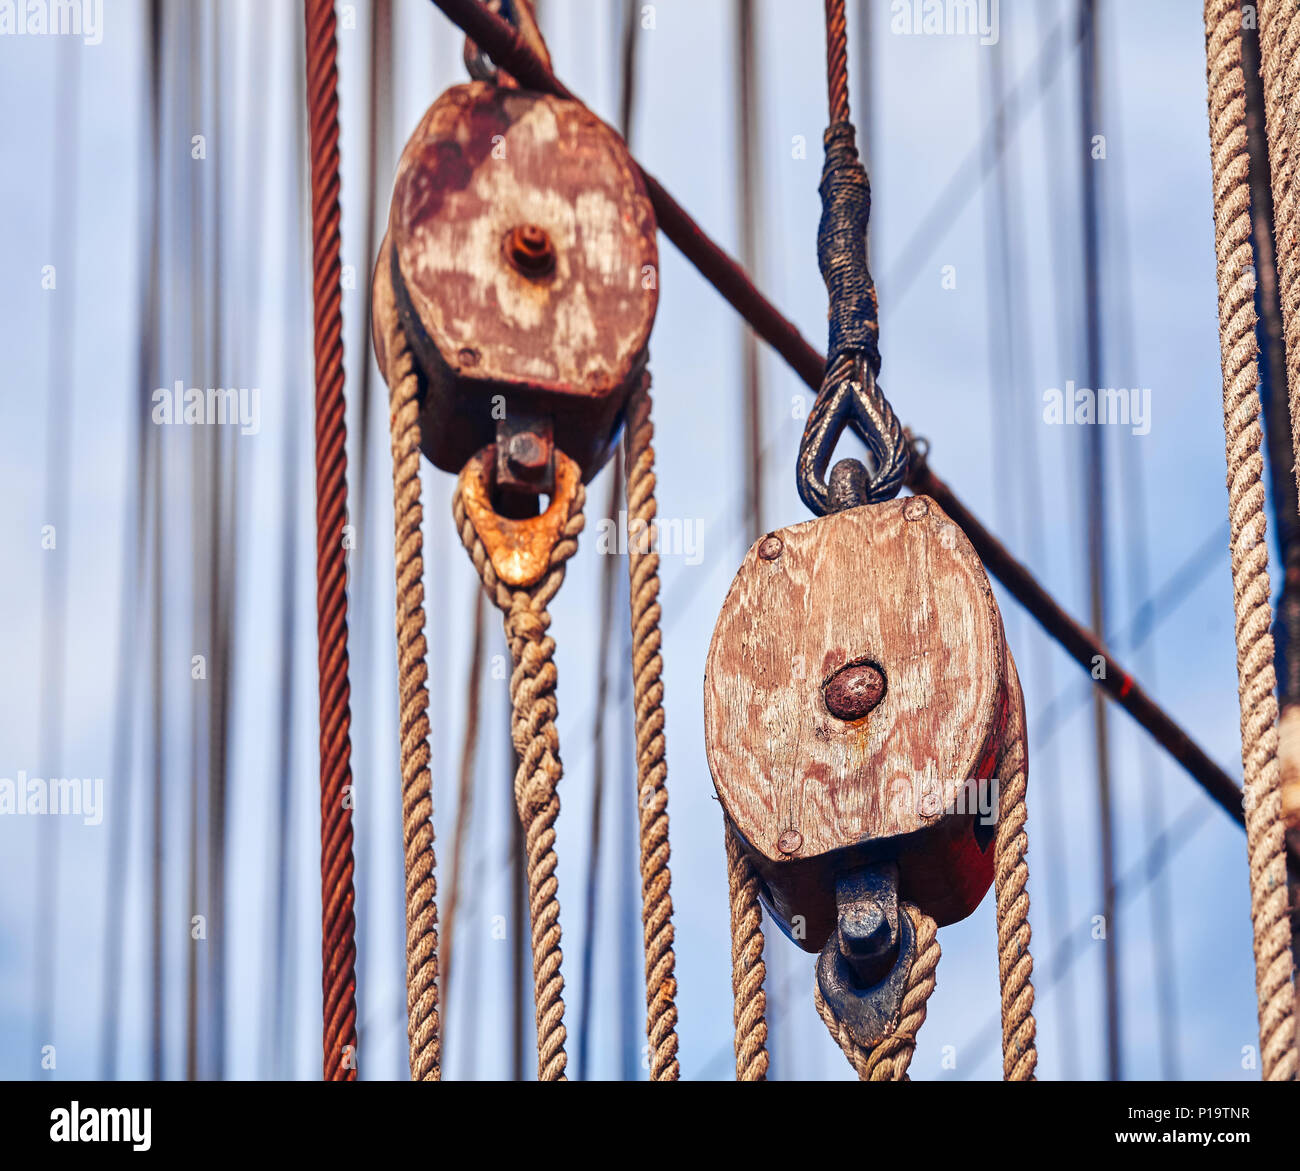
(971, 172)
(1073, 943)
(54, 572)
(131, 600)
(279, 1022)
(223, 576)
(1095, 510)
(373, 831)
(1158, 606)
(1164, 983)
(608, 592)
(1051, 806)
(465, 793)
(157, 973)
(201, 460)
(1018, 483)
(608, 582)
(747, 139)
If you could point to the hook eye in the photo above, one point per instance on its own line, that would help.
(850, 397)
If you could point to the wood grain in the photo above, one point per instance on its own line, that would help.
(897, 585)
(568, 343)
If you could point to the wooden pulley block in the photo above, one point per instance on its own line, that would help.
(856, 695)
(523, 263)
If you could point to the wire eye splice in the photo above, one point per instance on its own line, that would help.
(850, 395)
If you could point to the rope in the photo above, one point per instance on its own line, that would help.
(532, 727)
(651, 769)
(1241, 410)
(1010, 874)
(739, 291)
(423, 1024)
(1279, 35)
(338, 921)
(887, 1061)
(748, 972)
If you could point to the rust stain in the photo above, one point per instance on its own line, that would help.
(482, 164)
(520, 550)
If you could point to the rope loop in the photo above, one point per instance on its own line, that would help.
(887, 1061)
(534, 710)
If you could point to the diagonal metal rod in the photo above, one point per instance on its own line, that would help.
(500, 41)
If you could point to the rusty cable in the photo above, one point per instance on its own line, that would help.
(837, 60)
(338, 922)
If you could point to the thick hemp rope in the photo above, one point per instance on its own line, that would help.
(1010, 874)
(748, 972)
(532, 727)
(887, 1061)
(651, 768)
(1279, 44)
(423, 1027)
(1241, 411)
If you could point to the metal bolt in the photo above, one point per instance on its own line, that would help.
(530, 250)
(867, 939)
(790, 842)
(526, 454)
(854, 690)
(915, 508)
(771, 548)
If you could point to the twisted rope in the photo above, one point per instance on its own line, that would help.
(1279, 37)
(1010, 874)
(888, 1060)
(651, 769)
(532, 727)
(423, 1027)
(748, 972)
(1241, 410)
(338, 921)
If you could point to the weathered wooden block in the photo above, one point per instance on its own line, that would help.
(817, 614)
(525, 270)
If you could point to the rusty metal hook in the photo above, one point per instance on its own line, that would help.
(519, 549)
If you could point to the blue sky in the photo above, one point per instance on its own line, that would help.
(960, 369)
